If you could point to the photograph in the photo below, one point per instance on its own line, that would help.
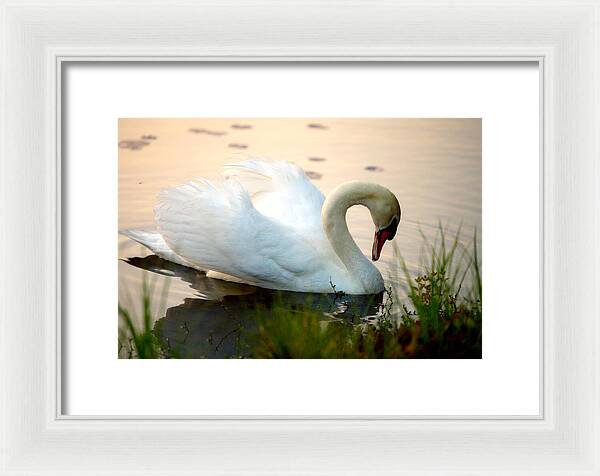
(299, 238)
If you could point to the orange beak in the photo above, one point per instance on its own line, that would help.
(381, 236)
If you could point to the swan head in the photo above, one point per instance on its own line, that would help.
(381, 202)
(386, 213)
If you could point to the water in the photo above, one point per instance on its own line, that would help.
(432, 165)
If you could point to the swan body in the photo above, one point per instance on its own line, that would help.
(267, 225)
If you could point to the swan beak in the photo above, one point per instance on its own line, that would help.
(378, 241)
(381, 236)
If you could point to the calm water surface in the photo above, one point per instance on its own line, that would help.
(432, 165)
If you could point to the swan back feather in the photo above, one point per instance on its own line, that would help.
(280, 190)
(217, 227)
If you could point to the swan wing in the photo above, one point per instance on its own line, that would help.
(216, 227)
(280, 190)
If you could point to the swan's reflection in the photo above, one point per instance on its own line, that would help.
(218, 323)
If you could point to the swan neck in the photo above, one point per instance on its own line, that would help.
(334, 211)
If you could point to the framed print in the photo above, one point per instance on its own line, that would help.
(241, 239)
(384, 139)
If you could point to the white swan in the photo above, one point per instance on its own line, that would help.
(266, 224)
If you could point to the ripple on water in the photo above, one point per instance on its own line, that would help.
(313, 175)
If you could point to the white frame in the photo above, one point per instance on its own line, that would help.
(38, 37)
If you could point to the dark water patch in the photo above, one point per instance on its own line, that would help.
(241, 126)
(316, 125)
(133, 144)
(317, 159)
(237, 146)
(195, 130)
(374, 168)
(313, 175)
(149, 137)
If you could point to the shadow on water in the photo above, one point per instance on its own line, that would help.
(218, 323)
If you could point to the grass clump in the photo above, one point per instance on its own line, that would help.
(140, 342)
(446, 300)
(309, 334)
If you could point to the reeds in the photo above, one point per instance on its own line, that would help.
(140, 342)
(446, 300)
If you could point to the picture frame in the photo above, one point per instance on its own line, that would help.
(40, 37)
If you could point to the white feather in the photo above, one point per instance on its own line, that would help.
(156, 243)
(280, 190)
